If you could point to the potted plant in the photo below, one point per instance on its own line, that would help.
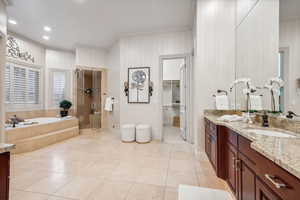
(65, 105)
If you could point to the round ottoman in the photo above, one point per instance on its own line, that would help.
(128, 133)
(143, 133)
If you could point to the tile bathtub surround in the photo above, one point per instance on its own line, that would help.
(36, 113)
(98, 166)
(279, 150)
(6, 147)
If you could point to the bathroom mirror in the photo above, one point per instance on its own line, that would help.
(268, 46)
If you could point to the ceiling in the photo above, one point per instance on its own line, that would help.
(289, 9)
(96, 23)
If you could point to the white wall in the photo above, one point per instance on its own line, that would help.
(91, 57)
(290, 38)
(140, 51)
(257, 46)
(58, 60)
(214, 56)
(36, 50)
(114, 86)
(3, 16)
(243, 9)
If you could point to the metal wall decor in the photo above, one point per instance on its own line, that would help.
(13, 50)
(139, 86)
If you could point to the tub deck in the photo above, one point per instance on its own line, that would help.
(48, 131)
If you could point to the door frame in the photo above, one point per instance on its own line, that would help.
(189, 103)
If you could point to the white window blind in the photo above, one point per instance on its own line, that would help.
(22, 84)
(58, 87)
(7, 83)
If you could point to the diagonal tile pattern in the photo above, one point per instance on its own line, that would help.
(99, 166)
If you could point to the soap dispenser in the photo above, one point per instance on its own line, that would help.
(265, 120)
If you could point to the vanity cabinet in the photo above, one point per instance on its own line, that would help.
(246, 181)
(231, 172)
(263, 192)
(249, 174)
(211, 143)
(4, 175)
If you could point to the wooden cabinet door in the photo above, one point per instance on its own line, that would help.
(214, 152)
(246, 181)
(4, 176)
(231, 172)
(263, 192)
(207, 143)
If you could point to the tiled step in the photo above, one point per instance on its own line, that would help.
(37, 142)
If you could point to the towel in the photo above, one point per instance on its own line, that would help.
(222, 102)
(109, 104)
(230, 118)
(256, 102)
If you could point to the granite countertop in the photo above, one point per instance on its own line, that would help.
(282, 151)
(6, 147)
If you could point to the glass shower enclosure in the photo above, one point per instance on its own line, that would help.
(88, 96)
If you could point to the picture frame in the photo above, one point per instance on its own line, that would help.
(138, 85)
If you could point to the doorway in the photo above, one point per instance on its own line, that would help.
(176, 126)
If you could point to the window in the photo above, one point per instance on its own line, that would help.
(58, 86)
(22, 84)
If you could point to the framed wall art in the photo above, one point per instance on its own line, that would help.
(139, 85)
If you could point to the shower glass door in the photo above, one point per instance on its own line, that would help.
(95, 117)
(80, 97)
(88, 98)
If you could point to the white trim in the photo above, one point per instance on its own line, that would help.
(189, 105)
(26, 64)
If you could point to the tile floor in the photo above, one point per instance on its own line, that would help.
(98, 166)
(172, 135)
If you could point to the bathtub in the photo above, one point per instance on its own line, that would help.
(37, 121)
(44, 131)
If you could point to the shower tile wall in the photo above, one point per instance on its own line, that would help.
(86, 107)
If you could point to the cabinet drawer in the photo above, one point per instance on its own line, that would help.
(273, 175)
(269, 172)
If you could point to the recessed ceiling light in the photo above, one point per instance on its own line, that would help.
(13, 22)
(47, 28)
(45, 37)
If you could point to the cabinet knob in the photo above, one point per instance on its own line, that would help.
(272, 180)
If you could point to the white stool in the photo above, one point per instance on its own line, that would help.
(128, 133)
(143, 133)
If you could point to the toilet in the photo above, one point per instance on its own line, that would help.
(143, 133)
(128, 133)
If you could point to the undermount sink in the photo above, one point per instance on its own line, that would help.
(270, 133)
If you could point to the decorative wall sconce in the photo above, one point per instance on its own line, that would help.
(151, 88)
(126, 88)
